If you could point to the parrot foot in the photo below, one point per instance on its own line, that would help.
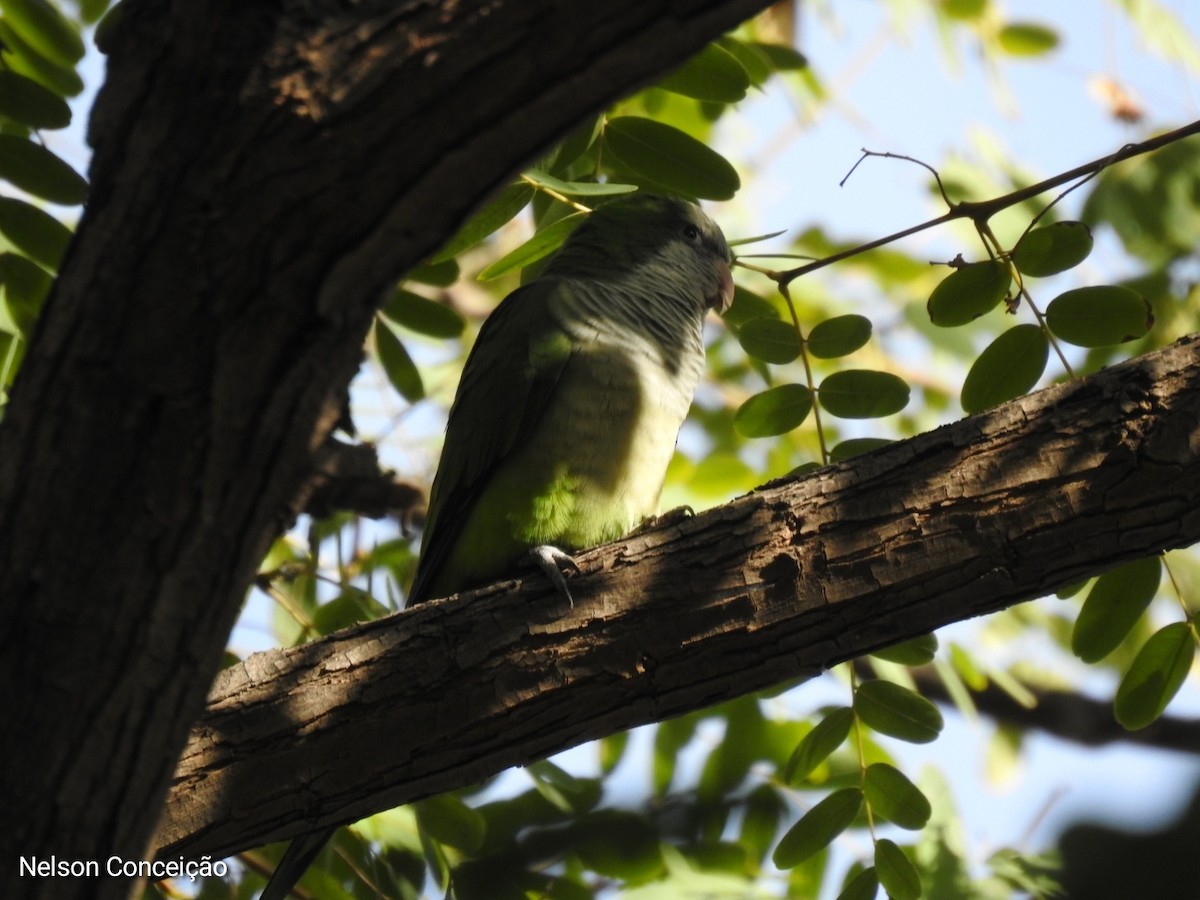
(553, 562)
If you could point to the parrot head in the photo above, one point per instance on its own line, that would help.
(655, 239)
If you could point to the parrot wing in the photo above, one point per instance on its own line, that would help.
(507, 384)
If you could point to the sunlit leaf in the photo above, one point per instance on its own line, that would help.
(450, 821)
(498, 212)
(898, 712)
(863, 394)
(839, 336)
(1099, 316)
(45, 29)
(1007, 368)
(965, 10)
(914, 652)
(578, 188)
(671, 158)
(1053, 249)
(818, 827)
(1157, 673)
(25, 60)
(1113, 606)
(774, 411)
(893, 796)
(541, 245)
(712, 74)
(1027, 39)
(968, 292)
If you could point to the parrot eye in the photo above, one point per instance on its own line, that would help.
(691, 232)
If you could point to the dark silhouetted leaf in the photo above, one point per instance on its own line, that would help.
(818, 827)
(863, 394)
(671, 158)
(1099, 316)
(968, 292)
(839, 336)
(1007, 368)
(814, 748)
(1157, 673)
(1113, 606)
(1053, 249)
(893, 796)
(896, 711)
(776, 410)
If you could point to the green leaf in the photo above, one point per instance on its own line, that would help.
(863, 886)
(1157, 673)
(1027, 39)
(856, 447)
(23, 59)
(968, 292)
(612, 751)
(45, 29)
(816, 746)
(1007, 368)
(34, 231)
(783, 58)
(774, 411)
(896, 873)
(756, 63)
(1113, 606)
(671, 158)
(24, 100)
(963, 10)
(23, 286)
(839, 336)
(818, 827)
(449, 821)
(863, 394)
(896, 711)
(746, 306)
(37, 171)
(400, 369)
(1099, 316)
(712, 74)
(578, 188)
(423, 315)
(1053, 249)
(561, 789)
(765, 809)
(541, 245)
(498, 212)
(769, 339)
(620, 845)
(893, 796)
(914, 652)
(438, 274)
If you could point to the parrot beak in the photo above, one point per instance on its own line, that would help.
(724, 297)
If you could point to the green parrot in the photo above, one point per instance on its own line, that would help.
(569, 408)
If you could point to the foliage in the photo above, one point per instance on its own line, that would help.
(750, 798)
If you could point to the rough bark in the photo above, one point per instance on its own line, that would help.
(777, 585)
(262, 172)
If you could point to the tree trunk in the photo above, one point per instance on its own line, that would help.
(262, 173)
(777, 585)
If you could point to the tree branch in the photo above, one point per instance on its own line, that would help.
(777, 585)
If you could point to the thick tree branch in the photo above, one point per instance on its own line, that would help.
(262, 172)
(777, 585)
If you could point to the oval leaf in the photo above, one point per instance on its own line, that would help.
(914, 652)
(1113, 606)
(856, 447)
(1156, 675)
(495, 214)
(863, 886)
(839, 336)
(24, 100)
(45, 29)
(671, 158)
(1099, 316)
(894, 797)
(896, 711)
(769, 339)
(712, 74)
(747, 306)
(896, 872)
(1008, 367)
(1027, 39)
(620, 845)
(774, 411)
(818, 827)
(423, 315)
(37, 171)
(814, 748)
(863, 394)
(24, 286)
(1053, 249)
(23, 59)
(398, 365)
(34, 231)
(448, 820)
(538, 247)
(968, 292)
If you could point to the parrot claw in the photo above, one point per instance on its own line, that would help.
(553, 562)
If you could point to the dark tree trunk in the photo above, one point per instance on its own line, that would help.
(780, 584)
(262, 172)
